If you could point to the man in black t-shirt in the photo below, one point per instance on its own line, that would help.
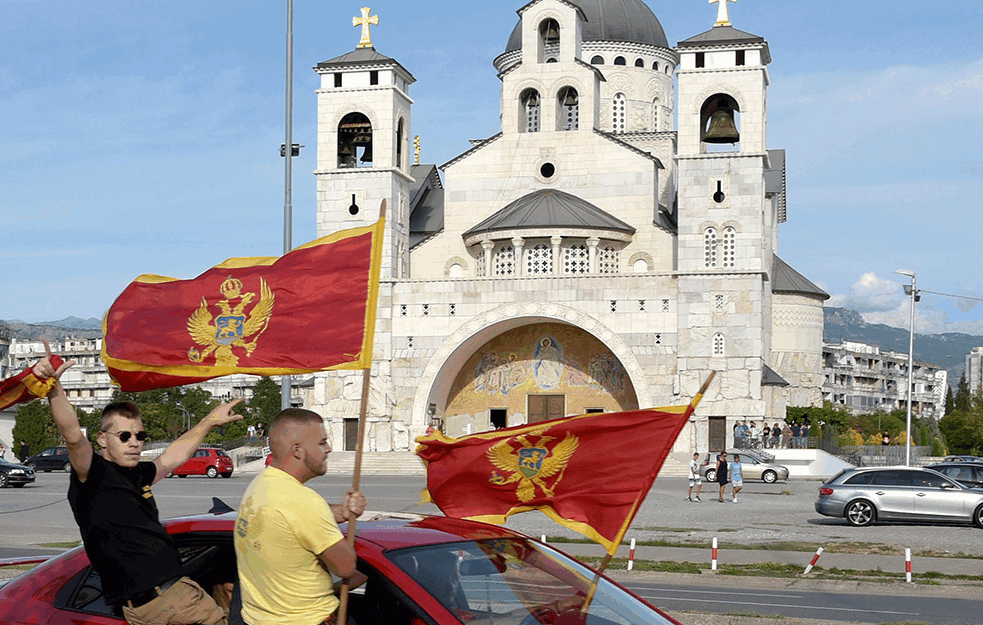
(114, 507)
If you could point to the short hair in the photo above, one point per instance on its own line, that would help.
(295, 415)
(126, 409)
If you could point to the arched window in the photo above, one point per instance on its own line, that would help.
(618, 116)
(620, 60)
(568, 108)
(479, 265)
(718, 344)
(539, 260)
(576, 259)
(668, 69)
(531, 106)
(399, 144)
(639, 62)
(607, 260)
(655, 115)
(549, 40)
(597, 60)
(354, 141)
(655, 65)
(710, 247)
(730, 252)
(505, 261)
(720, 122)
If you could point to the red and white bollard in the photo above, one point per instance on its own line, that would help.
(907, 564)
(815, 559)
(713, 561)
(631, 555)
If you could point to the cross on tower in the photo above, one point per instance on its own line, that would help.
(364, 22)
(722, 18)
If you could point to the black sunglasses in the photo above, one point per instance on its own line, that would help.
(125, 436)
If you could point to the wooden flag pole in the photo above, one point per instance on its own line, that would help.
(357, 476)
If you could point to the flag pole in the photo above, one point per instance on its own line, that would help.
(607, 558)
(357, 471)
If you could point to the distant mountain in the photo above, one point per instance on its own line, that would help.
(947, 350)
(52, 330)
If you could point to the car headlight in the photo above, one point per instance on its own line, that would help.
(17, 471)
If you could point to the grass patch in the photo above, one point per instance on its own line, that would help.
(63, 545)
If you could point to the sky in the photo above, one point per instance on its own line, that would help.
(143, 137)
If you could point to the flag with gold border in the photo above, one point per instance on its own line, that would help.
(25, 386)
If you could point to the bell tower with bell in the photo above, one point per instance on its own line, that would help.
(363, 145)
(725, 221)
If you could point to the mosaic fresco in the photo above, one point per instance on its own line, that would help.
(542, 359)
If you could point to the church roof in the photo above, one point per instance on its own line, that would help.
(630, 21)
(550, 208)
(725, 35)
(426, 203)
(784, 279)
(770, 377)
(362, 56)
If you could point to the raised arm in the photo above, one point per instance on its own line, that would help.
(79, 448)
(178, 452)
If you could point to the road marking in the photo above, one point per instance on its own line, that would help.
(784, 605)
(736, 592)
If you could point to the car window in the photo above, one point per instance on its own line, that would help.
(891, 478)
(860, 478)
(924, 479)
(200, 453)
(46, 452)
(222, 454)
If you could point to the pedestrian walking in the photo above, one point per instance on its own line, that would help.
(25, 450)
(736, 476)
(694, 479)
(251, 432)
(766, 437)
(722, 474)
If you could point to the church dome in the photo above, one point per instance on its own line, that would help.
(630, 21)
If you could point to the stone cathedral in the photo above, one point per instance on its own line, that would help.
(591, 256)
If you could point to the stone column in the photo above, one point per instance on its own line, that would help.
(556, 240)
(520, 265)
(488, 246)
(592, 244)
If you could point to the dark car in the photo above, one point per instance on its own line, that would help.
(15, 475)
(863, 496)
(420, 569)
(51, 459)
(205, 461)
(969, 474)
(962, 459)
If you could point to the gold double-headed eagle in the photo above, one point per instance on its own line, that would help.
(532, 464)
(232, 326)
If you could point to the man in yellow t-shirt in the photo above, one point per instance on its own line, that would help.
(286, 536)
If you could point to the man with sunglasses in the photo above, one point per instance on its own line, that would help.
(116, 512)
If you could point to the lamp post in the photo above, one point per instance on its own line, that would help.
(913, 292)
(288, 153)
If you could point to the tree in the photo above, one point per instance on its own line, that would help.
(265, 403)
(963, 402)
(963, 432)
(33, 423)
(950, 403)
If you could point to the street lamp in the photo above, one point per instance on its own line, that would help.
(913, 292)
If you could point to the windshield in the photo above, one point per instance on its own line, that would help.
(517, 581)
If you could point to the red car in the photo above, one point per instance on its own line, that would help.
(205, 461)
(422, 570)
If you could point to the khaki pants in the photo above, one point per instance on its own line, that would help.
(182, 604)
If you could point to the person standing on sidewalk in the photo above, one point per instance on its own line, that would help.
(722, 474)
(736, 476)
(694, 479)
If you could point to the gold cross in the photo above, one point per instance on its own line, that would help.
(364, 22)
(416, 149)
(722, 18)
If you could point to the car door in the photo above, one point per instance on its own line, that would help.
(937, 497)
(891, 493)
(752, 468)
(46, 460)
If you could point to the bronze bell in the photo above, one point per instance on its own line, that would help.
(367, 154)
(722, 128)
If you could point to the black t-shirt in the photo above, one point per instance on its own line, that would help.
(124, 539)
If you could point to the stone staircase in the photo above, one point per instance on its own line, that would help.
(377, 463)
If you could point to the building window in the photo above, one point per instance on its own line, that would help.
(409, 342)
(740, 57)
(530, 110)
(569, 109)
(718, 303)
(549, 40)
(657, 339)
(597, 60)
(619, 105)
(639, 62)
(665, 305)
(539, 260)
(655, 65)
(399, 144)
(337, 79)
(402, 310)
(607, 259)
(505, 261)
(730, 252)
(655, 115)
(479, 265)
(614, 305)
(701, 60)
(374, 77)
(576, 259)
(620, 60)
(354, 141)
(641, 305)
(710, 247)
(718, 344)
(426, 310)
(453, 309)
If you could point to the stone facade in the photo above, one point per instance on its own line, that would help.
(482, 325)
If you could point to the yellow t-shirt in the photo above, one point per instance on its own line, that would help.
(282, 526)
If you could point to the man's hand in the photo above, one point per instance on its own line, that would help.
(44, 369)
(224, 414)
(180, 450)
(354, 502)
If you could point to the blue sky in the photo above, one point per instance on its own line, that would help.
(141, 137)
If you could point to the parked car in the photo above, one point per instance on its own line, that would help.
(51, 459)
(420, 569)
(756, 466)
(205, 461)
(866, 495)
(962, 459)
(15, 475)
(969, 474)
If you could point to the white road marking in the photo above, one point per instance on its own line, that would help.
(782, 605)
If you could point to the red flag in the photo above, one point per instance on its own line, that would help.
(25, 386)
(588, 473)
(312, 309)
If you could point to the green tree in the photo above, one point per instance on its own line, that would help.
(963, 432)
(950, 402)
(33, 423)
(265, 402)
(963, 402)
(169, 412)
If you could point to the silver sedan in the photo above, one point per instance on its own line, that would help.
(753, 467)
(864, 496)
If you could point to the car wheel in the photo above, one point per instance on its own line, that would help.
(769, 477)
(860, 513)
(182, 476)
(978, 516)
(31, 466)
(3, 480)
(226, 475)
(211, 472)
(711, 475)
(67, 468)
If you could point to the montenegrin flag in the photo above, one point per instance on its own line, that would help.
(588, 473)
(312, 309)
(25, 386)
